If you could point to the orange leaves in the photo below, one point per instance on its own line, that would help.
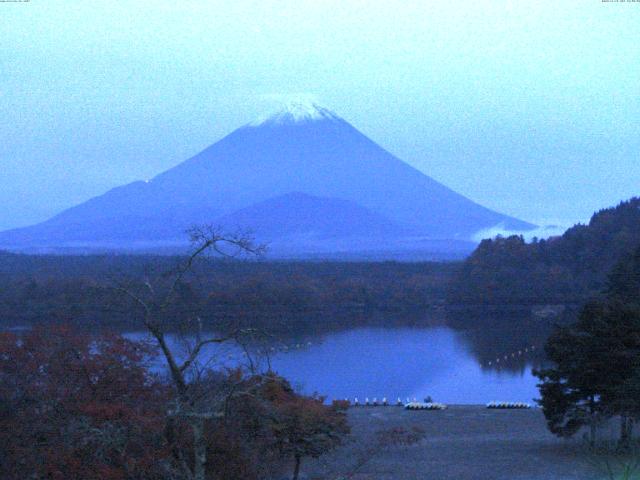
(78, 407)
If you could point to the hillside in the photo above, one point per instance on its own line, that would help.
(565, 269)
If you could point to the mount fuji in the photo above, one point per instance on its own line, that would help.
(303, 180)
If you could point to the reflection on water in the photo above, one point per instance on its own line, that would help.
(387, 362)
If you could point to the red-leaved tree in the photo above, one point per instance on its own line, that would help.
(73, 406)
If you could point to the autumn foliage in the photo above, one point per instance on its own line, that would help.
(79, 406)
(76, 407)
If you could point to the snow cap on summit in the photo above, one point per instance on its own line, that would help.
(296, 111)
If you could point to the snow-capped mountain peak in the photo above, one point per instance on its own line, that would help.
(294, 112)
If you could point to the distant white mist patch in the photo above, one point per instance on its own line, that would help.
(545, 231)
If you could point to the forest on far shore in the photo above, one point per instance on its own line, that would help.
(81, 290)
(568, 269)
(501, 273)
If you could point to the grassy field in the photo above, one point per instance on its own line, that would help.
(461, 443)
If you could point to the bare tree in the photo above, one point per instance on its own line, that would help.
(154, 298)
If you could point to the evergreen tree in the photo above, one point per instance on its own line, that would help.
(569, 390)
(596, 370)
(624, 281)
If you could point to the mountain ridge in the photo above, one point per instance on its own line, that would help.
(305, 149)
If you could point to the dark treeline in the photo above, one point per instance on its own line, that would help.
(594, 371)
(561, 270)
(80, 289)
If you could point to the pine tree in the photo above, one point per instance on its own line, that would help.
(596, 370)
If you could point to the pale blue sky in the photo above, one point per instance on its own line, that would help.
(528, 107)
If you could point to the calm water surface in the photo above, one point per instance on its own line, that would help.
(386, 362)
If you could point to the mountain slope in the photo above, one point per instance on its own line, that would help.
(566, 269)
(305, 149)
(298, 214)
(296, 224)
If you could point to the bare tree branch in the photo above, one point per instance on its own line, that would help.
(154, 300)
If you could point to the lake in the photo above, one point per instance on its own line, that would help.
(390, 362)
